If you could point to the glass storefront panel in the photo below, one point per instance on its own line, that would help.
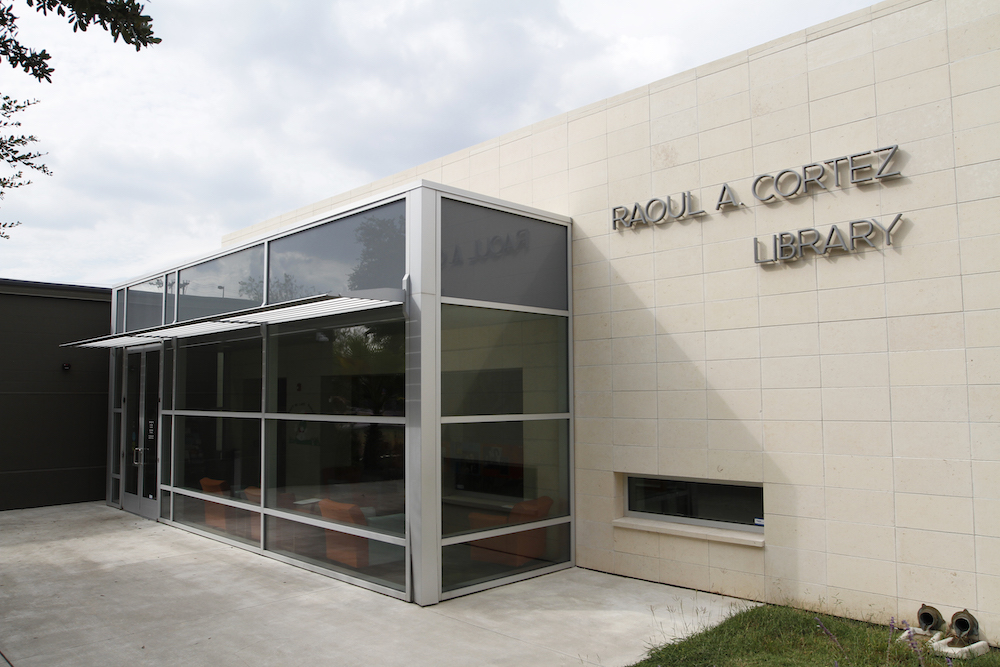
(374, 561)
(165, 505)
(343, 472)
(119, 311)
(168, 377)
(320, 368)
(359, 252)
(219, 373)
(145, 305)
(133, 429)
(491, 255)
(497, 362)
(232, 522)
(166, 422)
(503, 473)
(170, 303)
(483, 560)
(218, 455)
(222, 285)
(116, 443)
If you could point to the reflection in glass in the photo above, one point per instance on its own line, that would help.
(706, 501)
(337, 370)
(116, 443)
(491, 558)
(168, 376)
(351, 473)
(219, 373)
(165, 448)
(145, 305)
(502, 473)
(222, 285)
(232, 522)
(171, 298)
(503, 362)
(218, 455)
(133, 429)
(119, 311)
(374, 561)
(491, 255)
(151, 416)
(165, 505)
(359, 252)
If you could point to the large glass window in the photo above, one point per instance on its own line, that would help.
(368, 559)
(145, 305)
(218, 455)
(503, 362)
(325, 367)
(728, 505)
(232, 522)
(357, 466)
(170, 299)
(222, 285)
(503, 473)
(219, 373)
(359, 252)
(491, 255)
(483, 560)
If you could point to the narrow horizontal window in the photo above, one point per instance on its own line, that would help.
(714, 504)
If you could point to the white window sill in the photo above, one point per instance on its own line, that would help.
(743, 537)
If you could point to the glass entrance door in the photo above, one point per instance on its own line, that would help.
(140, 436)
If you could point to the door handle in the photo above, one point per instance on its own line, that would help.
(135, 456)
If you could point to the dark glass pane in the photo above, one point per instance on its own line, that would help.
(151, 413)
(491, 255)
(491, 558)
(119, 311)
(116, 443)
(145, 305)
(360, 557)
(214, 373)
(165, 448)
(168, 377)
(503, 473)
(165, 505)
(362, 251)
(232, 522)
(503, 362)
(116, 490)
(219, 456)
(133, 427)
(119, 359)
(337, 370)
(349, 473)
(222, 285)
(697, 500)
(171, 298)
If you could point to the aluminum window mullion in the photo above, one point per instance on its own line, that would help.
(340, 419)
(505, 530)
(497, 305)
(487, 419)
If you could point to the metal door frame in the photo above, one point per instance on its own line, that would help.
(140, 503)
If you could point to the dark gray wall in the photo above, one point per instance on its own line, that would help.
(53, 422)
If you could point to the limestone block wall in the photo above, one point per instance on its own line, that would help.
(859, 385)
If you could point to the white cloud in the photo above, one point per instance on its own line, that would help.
(249, 109)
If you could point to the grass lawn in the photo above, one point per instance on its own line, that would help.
(778, 636)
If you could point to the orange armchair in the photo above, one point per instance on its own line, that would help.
(215, 515)
(349, 550)
(515, 549)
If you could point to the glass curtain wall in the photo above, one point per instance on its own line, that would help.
(290, 437)
(505, 408)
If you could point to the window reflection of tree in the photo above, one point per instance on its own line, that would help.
(383, 245)
(374, 355)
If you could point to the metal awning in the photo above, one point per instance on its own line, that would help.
(302, 309)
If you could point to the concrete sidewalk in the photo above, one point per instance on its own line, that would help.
(88, 585)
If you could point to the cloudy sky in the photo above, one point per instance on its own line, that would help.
(250, 108)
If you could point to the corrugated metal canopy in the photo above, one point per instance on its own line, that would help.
(303, 309)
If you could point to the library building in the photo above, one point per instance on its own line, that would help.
(737, 330)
